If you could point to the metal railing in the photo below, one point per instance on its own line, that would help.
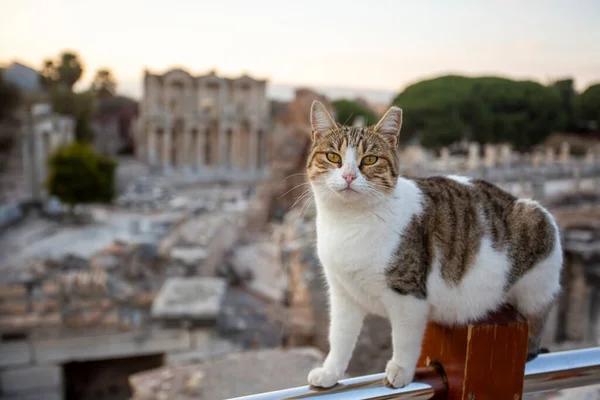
(548, 372)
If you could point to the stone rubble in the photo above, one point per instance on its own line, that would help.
(79, 291)
(234, 375)
(189, 299)
(147, 193)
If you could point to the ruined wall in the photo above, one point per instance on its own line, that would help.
(288, 150)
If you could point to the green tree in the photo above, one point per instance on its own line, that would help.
(589, 106)
(442, 130)
(10, 98)
(79, 175)
(347, 111)
(70, 69)
(80, 106)
(487, 109)
(104, 83)
(63, 73)
(58, 79)
(568, 98)
(48, 75)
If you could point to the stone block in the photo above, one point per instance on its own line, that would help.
(263, 260)
(30, 379)
(190, 298)
(13, 307)
(13, 291)
(189, 255)
(13, 353)
(50, 288)
(45, 306)
(106, 346)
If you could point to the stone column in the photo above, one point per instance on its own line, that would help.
(490, 155)
(252, 150)
(577, 178)
(589, 156)
(166, 147)
(237, 160)
(233, 146)
(506, 155)
(186, 152)
(151, 145)
(550, 157)
(444, 159)
(260, 150)
(200, 144)
(223, 148)
(565, 153)
(473, 157)
(536, 159)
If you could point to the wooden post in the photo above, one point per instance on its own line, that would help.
(483, 360)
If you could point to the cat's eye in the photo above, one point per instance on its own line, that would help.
(369, 160)
(334, 158)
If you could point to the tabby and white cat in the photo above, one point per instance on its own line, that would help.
(448, 249)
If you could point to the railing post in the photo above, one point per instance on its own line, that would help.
(483, 360)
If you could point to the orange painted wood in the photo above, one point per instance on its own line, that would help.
(483, 360)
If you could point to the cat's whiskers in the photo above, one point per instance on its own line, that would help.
(295, 187)
(310, 201)
(307, 204)
(304, 195)
(307, 193)
(292, 175)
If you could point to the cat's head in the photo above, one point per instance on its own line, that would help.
(353, 165)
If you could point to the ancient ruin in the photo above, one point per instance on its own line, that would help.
(213, 126)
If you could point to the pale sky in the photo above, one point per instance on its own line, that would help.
(376, 44)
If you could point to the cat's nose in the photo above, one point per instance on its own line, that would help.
(349, 177)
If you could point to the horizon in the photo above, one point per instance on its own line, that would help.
(281, 91)
(302, 46)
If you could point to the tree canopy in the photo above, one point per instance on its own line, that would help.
(104, 83)
(589, 106)
(487, 109)
(79, 175)
(64, 72)
(58, 78)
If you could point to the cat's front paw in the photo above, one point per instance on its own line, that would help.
(321, 377)
(397, 376)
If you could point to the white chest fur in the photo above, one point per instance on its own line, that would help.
(355, 246)
(354, 255)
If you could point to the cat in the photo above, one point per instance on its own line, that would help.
(448, 249)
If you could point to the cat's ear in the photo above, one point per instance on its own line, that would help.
(389, 125)
(320, 119)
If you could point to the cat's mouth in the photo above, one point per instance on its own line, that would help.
(348, 189)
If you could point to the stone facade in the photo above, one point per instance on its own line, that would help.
(211, 125)
(44, 133)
